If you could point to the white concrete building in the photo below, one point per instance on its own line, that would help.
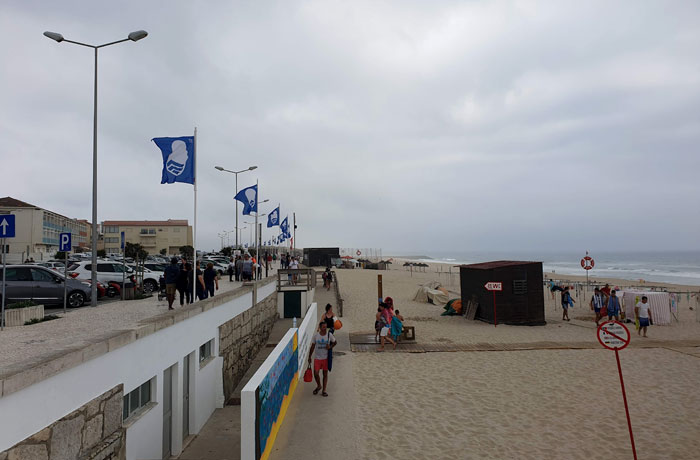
(37, 230)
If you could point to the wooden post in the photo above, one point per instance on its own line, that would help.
(379, 288)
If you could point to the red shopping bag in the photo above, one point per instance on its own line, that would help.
(308, 375)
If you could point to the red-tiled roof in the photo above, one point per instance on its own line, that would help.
(497, 264)
(10, 202)
(147, 223)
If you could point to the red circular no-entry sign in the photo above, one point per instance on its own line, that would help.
(613, 335)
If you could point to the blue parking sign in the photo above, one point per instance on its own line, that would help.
(65, 240)
(7, 226)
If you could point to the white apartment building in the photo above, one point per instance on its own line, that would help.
(37, 230)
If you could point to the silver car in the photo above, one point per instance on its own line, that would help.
(42, 285)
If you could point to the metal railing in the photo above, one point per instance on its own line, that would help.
(296, 279)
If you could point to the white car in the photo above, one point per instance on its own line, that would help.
(108, 270)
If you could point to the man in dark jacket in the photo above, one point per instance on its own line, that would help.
(171, 274)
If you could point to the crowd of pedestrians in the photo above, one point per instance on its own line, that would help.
(605, 302)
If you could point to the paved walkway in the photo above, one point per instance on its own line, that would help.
(23, 345)
(310, 418)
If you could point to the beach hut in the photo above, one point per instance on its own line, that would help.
(521, 302)
(321, 257)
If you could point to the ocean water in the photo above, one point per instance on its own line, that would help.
(667, 267)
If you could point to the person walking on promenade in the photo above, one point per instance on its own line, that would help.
(328, 318)
(247, 269)
(171, 274)
(268, 263)
(643, 313)
(210, 279)
(321, 343)
(613, 306)
(597, 302)
(566, 302)
(184, 284)
(239, 268)
(231, 269)
(199, 279)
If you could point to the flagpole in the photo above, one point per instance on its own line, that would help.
(194, 229)
(257, 213)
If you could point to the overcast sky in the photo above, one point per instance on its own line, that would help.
(406, 125)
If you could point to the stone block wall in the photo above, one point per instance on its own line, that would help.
(92, 432)
(241, 338)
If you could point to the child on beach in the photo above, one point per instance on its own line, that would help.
(396, 327)
(385, 318)
(597, 302)
(613, 306)
(566, 303)
(378, 322)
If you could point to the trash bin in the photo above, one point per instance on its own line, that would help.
(128, 291)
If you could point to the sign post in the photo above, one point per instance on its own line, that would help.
(7, 230)
(123, 264)
(494, 286)
(587, 263)
(614, 335)
(65, 245)
(380, 295)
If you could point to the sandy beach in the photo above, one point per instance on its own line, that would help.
(531, 404)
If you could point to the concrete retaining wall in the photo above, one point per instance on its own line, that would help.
(93, 431)
(241, 338)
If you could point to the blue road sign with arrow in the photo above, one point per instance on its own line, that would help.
(7, 226)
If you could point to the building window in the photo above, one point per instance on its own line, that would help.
(176, 230)
(144, 231)
(111, 229)
(519, 287)
(112, 240)
(205, 350)
(152, 231)
(136, 399)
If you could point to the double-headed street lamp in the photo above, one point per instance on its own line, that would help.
(236, 173)
(134, 37)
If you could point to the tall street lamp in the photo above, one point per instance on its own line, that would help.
(134, 37)
(236, 174)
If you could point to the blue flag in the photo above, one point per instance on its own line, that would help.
(284, 226)
(273, 218)
(249, 198)
(178, 159)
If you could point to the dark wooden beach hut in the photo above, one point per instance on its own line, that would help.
(320, 257)
(520, 303)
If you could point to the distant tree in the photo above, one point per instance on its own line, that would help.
(187, 251)
(227, 251)
(101, 253)
(135, 251)
(163, 252)
(60, 255)
(252, 252)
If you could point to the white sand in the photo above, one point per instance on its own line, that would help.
(517, 404)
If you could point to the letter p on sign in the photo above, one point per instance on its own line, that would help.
(65, 241)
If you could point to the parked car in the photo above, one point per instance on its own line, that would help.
(54, 265)
(220, 268)
(108, 270)
(43, 285)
